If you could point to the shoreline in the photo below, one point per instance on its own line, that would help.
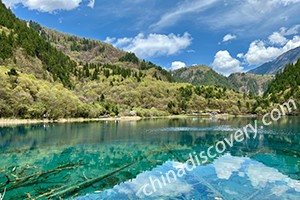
(13, 122)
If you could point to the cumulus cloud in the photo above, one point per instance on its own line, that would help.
(229, 37)
(280, 36)
(277, 38)
(46, 5)
(110, 40)
(291, 44)
(152, 45)
(260, 52)
(225, 64)
(177, 65)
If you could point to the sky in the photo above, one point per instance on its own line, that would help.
(227, 35)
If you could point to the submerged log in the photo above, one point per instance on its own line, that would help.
(87, 183)
(33, 178)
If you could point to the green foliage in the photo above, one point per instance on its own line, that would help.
(95, 74)
(186, 92)
(96, 89)
(102, 98)
(29, 97)
(116, 70)
(149, 112)
(13, 72)
(54, 61)
(83, 45)
(201, 75)
(285, 85)
(129, 57)
(260, 104)
(148, 65)
(251, 84)
(6, 45)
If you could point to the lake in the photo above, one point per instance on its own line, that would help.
(119, 159)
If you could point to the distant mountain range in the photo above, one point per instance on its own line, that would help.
(254, 82)
(279, 63)
(243, 82)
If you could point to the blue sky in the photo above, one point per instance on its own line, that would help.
(228, 35)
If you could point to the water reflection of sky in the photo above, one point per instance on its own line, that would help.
(228, 177)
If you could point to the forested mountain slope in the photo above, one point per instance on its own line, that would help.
(252, 84)
(80, 49)
(201, 75)
(41, 76)
(20, 44)
(286, 85)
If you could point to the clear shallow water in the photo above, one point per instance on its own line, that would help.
(112, 160)
(228, 177)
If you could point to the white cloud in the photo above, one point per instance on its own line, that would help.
(259, 52)
(45, 5)
(177, 65)
(122, 41)
(91, 4)
(153, 44)
(110, 40)
(291, 31)
(277, 38)
(188, 7)
(280, 37)
(291, 44)
(229, 37)
(225, 64)
(240, 55)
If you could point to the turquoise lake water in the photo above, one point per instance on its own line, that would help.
(115, 160)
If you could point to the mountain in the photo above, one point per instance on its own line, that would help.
(282, 89)
(88, 51)
(244, 82)
(251, 83)
(279, 63)
(286, 85)
(56, 75)
(24, 49)
(201, 75)
(80, 49)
